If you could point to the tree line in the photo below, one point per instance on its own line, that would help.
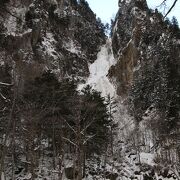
(52, 117)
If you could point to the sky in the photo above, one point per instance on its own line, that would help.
(106, 9)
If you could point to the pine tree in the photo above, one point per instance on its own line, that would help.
(100, 118)
(44, 106)
(175, 27)
(111, 105)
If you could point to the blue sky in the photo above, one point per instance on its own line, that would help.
(106, 9)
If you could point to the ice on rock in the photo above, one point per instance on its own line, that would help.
(147, 158)
(98, 78)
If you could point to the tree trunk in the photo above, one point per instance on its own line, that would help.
(79, 147)
(84, 161)
(13, 151)
(61, 151)
(54, 146)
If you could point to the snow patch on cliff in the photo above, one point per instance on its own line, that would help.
(49, 45)
(73, 47)
(99, 70)
(147, 158)
(11, 23)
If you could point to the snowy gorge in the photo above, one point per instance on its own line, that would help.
(98, 77)
(53, 126)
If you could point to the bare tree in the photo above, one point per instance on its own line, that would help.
(174, 3)
(171, 7)
(10, 124)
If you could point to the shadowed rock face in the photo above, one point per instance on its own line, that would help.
(147, 72)
(137, 34)
(123, 70)
(62, 36)
(127, 31)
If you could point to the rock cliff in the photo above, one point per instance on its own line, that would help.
(62, 36)
(139, 65)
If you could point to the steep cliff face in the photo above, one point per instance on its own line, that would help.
(37, 37)
(137, 71)
(138, 33)
(127, 31)
(62, 36)
(147, 75)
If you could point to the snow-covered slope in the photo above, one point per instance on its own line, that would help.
(98, 72)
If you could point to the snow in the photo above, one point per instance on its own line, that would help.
(138, 13)
(28, 176)
(178, 42)
(115, 27)
(48, 43)
(126, 1)
(2, 63)
(11, 23)
(147, 158)
(72, 47)
(2, 176)
(5, 84)
(99, 70)
(54, 2)
(68, 163)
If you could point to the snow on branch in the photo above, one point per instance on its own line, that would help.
(5, 84)
(70, 126)
(83, 130)
(3, 96)
(88, 138)
(70, 141)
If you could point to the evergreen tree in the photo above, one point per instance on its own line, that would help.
(175, 27)
(111, 106)
(44, 106)
(84, 3)
(98, 117)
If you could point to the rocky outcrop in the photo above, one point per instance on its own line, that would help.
(147, 75)
(62, 36)
(123, 70)
(127, 31)
(70, 172)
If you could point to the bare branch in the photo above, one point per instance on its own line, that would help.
(5, 108)
(3, 97)
(127, 124)
(162, 4)
(175, 1)
(70, 141)
(83, 130)
(70, 126)
(90, 137)
(5, 84)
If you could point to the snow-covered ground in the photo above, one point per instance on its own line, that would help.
(98, 72)
(128, 160)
